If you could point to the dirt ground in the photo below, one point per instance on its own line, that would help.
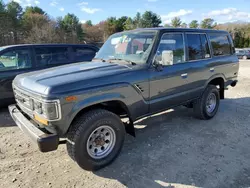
(172, 150)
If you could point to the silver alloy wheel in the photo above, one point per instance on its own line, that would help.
(245, 57)
(211, 103)
(101, 142)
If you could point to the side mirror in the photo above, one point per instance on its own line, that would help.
(157, 63)
(166, 58)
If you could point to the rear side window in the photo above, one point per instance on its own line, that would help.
(220, 44)
(205, 46)
(83, 53)
(194, 47)
(52, 55)
(198, 47)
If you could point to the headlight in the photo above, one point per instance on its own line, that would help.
(49, 110)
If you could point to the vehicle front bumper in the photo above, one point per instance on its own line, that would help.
(46, 142)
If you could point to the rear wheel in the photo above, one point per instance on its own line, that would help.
(207, 106)
(95, 139)
(245, 57)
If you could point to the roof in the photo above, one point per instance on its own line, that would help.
(24, 45)
(183, 30)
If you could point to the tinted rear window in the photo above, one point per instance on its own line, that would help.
(220, 44)
(198, 47)
(205, 46)
(194, 47)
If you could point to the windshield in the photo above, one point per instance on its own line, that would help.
(133, 46)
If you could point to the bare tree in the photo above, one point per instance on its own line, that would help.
(93, 33)
(42, 30)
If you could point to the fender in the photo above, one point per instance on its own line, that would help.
(85, 103)
(218, 75)
(131, 99)
(222, 90)
(97, 100)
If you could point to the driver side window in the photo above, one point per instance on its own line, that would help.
(15, 59)
(171, 49)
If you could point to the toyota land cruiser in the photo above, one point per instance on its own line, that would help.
(135, 74)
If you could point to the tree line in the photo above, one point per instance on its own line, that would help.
(34, 25)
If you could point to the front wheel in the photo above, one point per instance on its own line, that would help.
(95, 139)
(245, 57)
(207, 106)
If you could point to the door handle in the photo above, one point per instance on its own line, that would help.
(212, 69)
(185, 75)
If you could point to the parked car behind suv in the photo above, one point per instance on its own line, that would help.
(243, 54)
(135, 74)
(19, 59)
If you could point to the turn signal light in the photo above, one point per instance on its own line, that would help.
(41, 120)
(71, 98)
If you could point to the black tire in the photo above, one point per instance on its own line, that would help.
(200, 110)
(80, 131)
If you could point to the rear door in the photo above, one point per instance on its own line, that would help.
(13, 61)
(83, 53)
(199, 60)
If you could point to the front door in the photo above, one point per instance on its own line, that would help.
(169, 85)
(13, 61)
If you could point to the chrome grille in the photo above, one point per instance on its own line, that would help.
(23, 100)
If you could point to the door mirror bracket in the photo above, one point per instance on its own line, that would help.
(157, 65)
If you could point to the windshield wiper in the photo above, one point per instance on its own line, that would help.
(119, 59)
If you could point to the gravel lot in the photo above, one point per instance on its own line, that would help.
(173, 150)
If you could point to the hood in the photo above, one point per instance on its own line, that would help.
(68, 77)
